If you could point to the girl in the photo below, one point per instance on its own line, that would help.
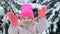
(27, 24)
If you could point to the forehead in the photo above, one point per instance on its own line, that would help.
(26, 17)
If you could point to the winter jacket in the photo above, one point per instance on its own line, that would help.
(35, 28)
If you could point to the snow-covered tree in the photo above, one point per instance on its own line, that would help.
(52, 14)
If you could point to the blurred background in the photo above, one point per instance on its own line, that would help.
(52, 14)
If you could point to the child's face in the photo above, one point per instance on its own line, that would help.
(27, 20)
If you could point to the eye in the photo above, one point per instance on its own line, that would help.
(23, 18)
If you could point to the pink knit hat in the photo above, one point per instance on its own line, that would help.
(26, 10)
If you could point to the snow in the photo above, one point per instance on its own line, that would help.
(1, 11)
(35, 5)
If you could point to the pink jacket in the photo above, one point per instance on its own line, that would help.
(35, 28)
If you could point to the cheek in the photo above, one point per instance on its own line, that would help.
(30, 20)
(22, 21)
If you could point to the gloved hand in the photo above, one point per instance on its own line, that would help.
(42, 12)
(13, 18)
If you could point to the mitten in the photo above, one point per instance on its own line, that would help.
(42, 12)
(12, 18)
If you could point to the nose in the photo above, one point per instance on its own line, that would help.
(26, 20)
